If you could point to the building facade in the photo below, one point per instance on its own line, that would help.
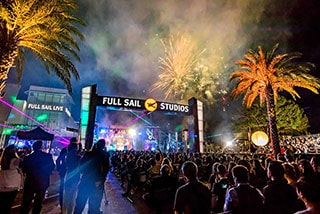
(45, 107)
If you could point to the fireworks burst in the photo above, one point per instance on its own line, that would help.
(177, 66)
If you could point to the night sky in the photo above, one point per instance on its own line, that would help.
(305, 30)
(122, 48)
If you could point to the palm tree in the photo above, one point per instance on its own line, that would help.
(47, 29)
(265, 75)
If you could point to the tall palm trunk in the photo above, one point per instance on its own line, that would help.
(272, 121)
(8, 53)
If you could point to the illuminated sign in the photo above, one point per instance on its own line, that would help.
(45, 107)
(174, 107)
(122, 102)
(68, 112)
(149, 104)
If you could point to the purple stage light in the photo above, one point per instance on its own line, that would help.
(134, 120)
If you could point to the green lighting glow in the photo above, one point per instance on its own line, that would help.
(21, 127)
(7, 131)
(42, 117)
(84, 118)
(14, 99)
(178, 128)
(84, 113)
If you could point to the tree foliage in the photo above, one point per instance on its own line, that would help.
(291, 119)
(260, 69)
(265, 75)
(48, 29)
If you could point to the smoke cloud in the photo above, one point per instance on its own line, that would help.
(123, 38)
(122, 47)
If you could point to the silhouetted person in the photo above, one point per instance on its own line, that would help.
(219, 189)
(243, 198)
(162, 189)
(133, 177)
(154, 170)
(94, 169)
(306, 169)
(129, 165)
(290, 175)
(194, 196)
(315, 163)
(62, 168)
(37, 167)
(10, 178)
(280, 197)
(72, 178)
(309, 192)
(164, 180)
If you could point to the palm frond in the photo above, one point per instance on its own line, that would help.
(49, 30)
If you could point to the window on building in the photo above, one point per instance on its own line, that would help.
(49, 98)
(40, 96)
(57, 99)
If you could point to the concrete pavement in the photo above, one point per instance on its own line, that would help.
(117, 204)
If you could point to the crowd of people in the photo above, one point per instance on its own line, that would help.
(304, 144)
(170, 182)
(82, 177)
(216, 183)
(30, 172)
